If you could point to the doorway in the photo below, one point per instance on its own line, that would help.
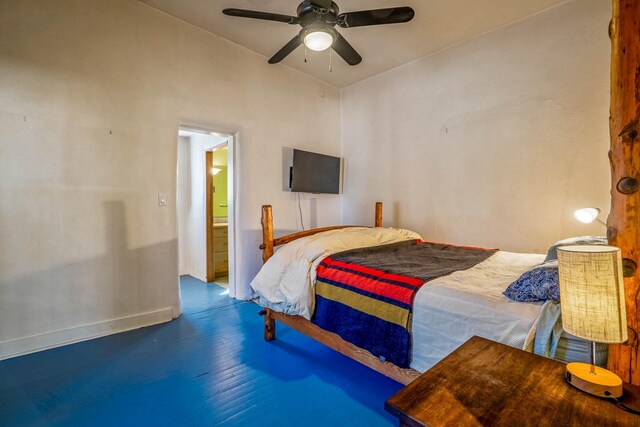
(217, 215)
(205, 198)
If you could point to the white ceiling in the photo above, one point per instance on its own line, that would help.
(437, 24)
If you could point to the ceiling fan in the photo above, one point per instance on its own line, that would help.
(318, 19)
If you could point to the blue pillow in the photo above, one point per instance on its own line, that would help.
(538, 284)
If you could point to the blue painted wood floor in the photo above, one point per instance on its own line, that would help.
(208, 367)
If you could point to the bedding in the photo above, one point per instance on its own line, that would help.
(452, 309)
(552, 341)
(537, 284)
(366, 295)
(286, 281)
(552, 253)
(541, 283)
(446, 312)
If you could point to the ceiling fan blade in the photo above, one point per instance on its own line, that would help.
(324, 4)
(286, 50)
(254, 14)
(393, 15)
(346, 51)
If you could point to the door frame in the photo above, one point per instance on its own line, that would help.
(232, 179)
(211, 270)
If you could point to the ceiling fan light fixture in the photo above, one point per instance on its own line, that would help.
(318, 39)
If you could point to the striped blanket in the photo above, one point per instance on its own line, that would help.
(366, 295)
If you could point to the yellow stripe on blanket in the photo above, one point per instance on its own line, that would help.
(383, 310)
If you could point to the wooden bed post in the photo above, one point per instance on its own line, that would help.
(267, 233)
(268, 245)
(267, 252)
(269, 325)
(623, 224)
(378, 220)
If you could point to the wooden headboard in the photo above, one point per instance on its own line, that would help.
(269, 243)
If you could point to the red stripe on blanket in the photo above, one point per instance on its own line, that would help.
(411, 281)
(374, 286)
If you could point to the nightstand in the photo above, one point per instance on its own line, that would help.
(485, 383)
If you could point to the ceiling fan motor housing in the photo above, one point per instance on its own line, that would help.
(311, 14)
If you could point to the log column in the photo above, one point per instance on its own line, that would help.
(267, 233)
(378, 219)
(623, 224)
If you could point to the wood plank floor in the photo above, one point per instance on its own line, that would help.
(208, 367)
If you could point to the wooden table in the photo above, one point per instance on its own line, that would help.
(485, 383)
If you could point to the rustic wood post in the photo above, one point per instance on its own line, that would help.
(269, 326)
(623, 224)
(267, 233)
(378, 220)
(267, 252)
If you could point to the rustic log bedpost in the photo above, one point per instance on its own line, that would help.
(267, 233)
(269, 325)
(623, 224)
(268, 248)
(267, 252)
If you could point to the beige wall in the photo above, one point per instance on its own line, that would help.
(492, 142)
(92, 93)
(183, 202)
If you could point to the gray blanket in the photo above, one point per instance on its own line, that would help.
(425, 261)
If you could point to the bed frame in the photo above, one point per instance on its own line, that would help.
(300, 324)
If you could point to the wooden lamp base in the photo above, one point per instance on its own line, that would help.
(593, 379)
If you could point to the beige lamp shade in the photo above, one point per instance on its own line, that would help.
(592, 293)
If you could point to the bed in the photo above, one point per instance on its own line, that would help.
(622, 223)
(450, 308)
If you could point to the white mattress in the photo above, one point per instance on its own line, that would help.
(450, 310)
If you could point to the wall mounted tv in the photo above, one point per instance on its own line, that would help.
(307, 172)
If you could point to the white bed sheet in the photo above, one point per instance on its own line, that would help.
(451, 309)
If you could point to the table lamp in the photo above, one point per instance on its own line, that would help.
(588, 215)
(593, 308)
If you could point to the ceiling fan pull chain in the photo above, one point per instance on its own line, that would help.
(305, 53)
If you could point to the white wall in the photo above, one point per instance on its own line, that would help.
(492, 142)
(183, 201)
(91, 97)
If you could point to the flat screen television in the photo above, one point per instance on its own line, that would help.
(307, 172)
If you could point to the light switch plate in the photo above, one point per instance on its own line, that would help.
(162, 200)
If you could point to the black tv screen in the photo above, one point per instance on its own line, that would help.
(315, 173)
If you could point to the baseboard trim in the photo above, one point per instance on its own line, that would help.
(31, 344)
